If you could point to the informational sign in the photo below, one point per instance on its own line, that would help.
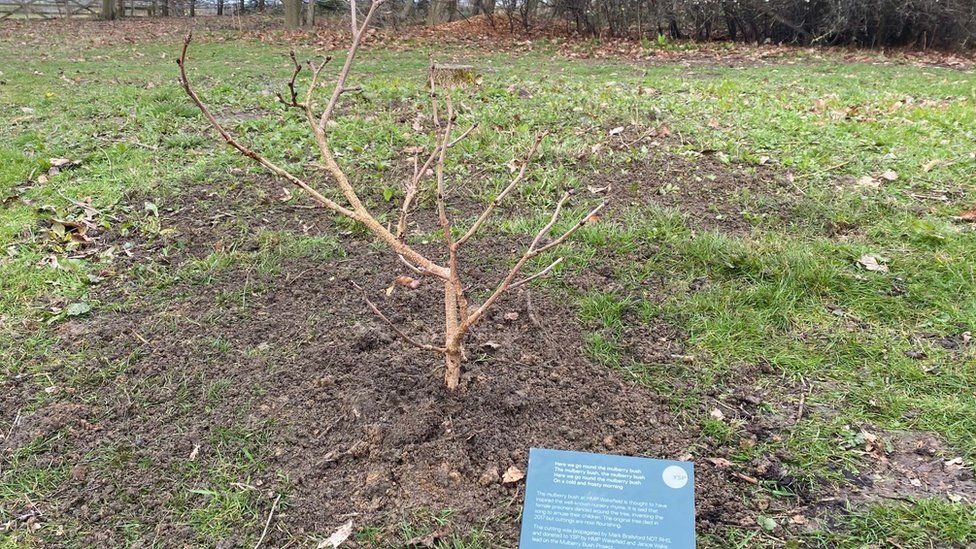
(578, 499)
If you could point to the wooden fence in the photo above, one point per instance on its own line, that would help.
(53, 9)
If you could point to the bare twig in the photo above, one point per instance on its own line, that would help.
(541, 273)
(529, 254)
(318, 197)
(501, 196)
(267, 524)
(293, 100)
(399, 332)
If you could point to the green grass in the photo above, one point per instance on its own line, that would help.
(789, 296)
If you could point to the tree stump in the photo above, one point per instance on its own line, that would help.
(454, 76)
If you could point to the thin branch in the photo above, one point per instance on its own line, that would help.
(501, 196)
(579, 224)
(268, 523)
(293, 102)
(316, 71)
(317, 196)
(357, 34)
(539, 274)
(531, 252)
(419, 174)
(352, 14)
(358, 211)
(396, 329)
(433, 93)
(412, 186)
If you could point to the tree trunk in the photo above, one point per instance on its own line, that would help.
(452, 372)
(193, 8)
(441, 11)
(108, 10)
(293, 13)
(484, 6)
(220, 7)
(310, 14)
(408, 10)
(260, 5)
(164, 7)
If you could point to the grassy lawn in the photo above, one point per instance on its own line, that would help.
(863, 159)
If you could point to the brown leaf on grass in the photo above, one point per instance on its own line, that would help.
(617, 131)
(930, 165)
(512, 474)
(593, 219)
(968, 215)
(872, 263)
(889, 175)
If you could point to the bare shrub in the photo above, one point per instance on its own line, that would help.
(460, 314)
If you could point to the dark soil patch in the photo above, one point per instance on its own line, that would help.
(301, 377)
(909, 464)
(712, 194)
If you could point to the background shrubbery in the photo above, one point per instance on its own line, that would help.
(871, 23)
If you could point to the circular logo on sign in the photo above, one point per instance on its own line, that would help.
(675, 477)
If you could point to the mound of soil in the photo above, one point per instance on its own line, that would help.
(346, 420)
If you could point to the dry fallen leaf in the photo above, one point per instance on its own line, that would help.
(716, 414)
(338, 537)
(617, 131)
(968, 215)
(512, 474)
(889, 175)
(593, 219)
(871, 263)
(407, 281)
(513, 315)
(930, 165)
(721, 463)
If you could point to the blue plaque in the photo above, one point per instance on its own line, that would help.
(578, 499)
